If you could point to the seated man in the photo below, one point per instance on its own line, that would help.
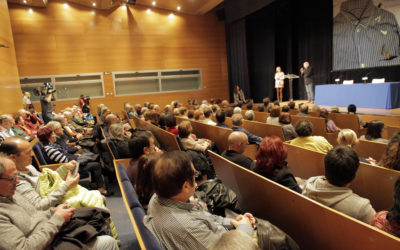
(341, 164)
(20, 152)
(6, 123)
(173, 219)
(237, 122)
(303, 110)
(22, 226)
(304, 129)
(220, 116)
(207, 116)
(237, 144)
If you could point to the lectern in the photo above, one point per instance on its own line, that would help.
(291, 77)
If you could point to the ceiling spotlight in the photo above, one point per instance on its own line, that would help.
(148, 11)
(24, 1)
(65, 5)
(94, 4)
(178, 8)
(171, 15)
(153, 3)
(30, 11)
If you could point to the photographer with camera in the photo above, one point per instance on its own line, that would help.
(46, 99)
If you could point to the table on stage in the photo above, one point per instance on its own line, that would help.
(378, 96)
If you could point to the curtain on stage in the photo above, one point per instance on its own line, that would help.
(285, 33)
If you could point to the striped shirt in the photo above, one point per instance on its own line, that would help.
(364, 36)
(180, 225)
(55, 154)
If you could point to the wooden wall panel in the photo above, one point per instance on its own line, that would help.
(10, 94)
(55, 40)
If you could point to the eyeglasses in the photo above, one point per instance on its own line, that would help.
(11, 179)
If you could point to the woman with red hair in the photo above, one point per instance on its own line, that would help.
(271, 163)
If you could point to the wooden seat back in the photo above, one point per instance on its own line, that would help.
(310, 224)
(166, 139)
(349, 121)
(391, 130)
(216, 134)
(372, 149)
(260, 129)
(371, 182)
(388, 120)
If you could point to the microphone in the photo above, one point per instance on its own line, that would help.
(337, 80)
(365, 78)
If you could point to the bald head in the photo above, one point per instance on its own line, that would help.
(238, 141)
(19, 150)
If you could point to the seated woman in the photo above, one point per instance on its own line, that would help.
(273, 117)
(330, 125)
(189, 140)
(389, 221)
(198, 115)
(117, 136)
(271, 163)
(348, 137)
(374, 132)
(391, 157)
(20, 123)
(144, 183)
(285, 119)
(170, 123)
(57, 154)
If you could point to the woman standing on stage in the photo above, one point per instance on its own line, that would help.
(279, 81)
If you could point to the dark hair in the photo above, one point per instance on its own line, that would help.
(394, 213)
(292, 104)
(170, 120)
(270, 156)
(190, 114)
(352, 108)
(285, 118)
(266, 101)
(276, 103)
(161, 121)
(324, 113)
(374, 129)
(137, 144)
(207, 112)
(304, 109)
(391, 157)
(184, 129)
(249, 105)
(304, 127)
(285, 108)
(341, 164)
(260, 107)
(214, 108)
(144, 178)
(44, 134)
(229, 112)
(220, 116)
(170, 173)
(275, 111)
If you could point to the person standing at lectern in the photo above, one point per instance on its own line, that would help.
(279, 81)
(307, 73)
(238, 95)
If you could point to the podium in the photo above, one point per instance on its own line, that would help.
(291, 77)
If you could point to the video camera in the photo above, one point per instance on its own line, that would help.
(47, 88)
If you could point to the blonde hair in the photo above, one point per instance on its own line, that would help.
(54, 125)
(115, 131)
(347, 137)
(184, 129)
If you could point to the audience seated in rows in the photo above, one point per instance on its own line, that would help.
(57, 154)
(220, 117)
(292, 105)
(341, 165)
(391, 157)
(170, 123)
(303, 110)
(271, 163)
(189, 140)
(207, 117)
(237, 142)
(330, 125)
(6, 124)
(173, 219)
(389, 221)
(117, 136)
(61, 140)
(25, 227)
(374, 132)
(236, 126)
(289, 133)
(198, 115)
(304, 129)
(260, 107)
(229, 112)
(348, 137)
(249, 114)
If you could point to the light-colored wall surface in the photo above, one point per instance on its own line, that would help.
(10, 91)
(58, 40)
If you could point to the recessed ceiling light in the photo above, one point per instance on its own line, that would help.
(148, 11)
(171, 15)
(65, 5)
(30, 11)
(154, 3)
(24, 1)
(178, 8)
(94, 4)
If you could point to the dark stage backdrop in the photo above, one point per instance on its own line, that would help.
(285, 33)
